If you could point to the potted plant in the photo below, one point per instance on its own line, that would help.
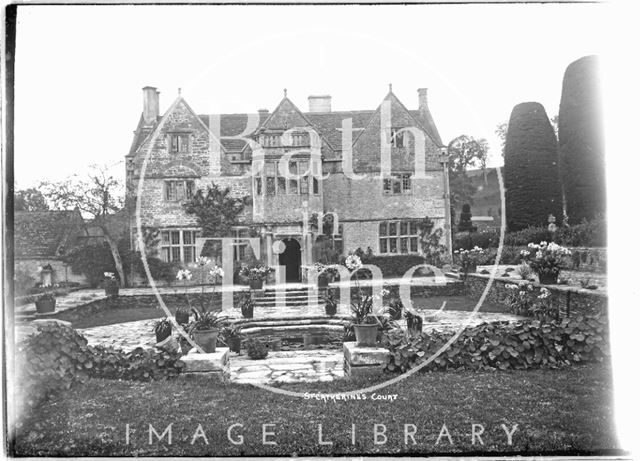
(326, 274)
(330, 304)
(246, 306)
(111, 285)
(182, 315)
(164, 340)
(46, 304)
(395, 309)
(230, 334)
(545, 259)
(468, 259)
(256, 349)
(204, 329)
(256, 274)
(162, 329)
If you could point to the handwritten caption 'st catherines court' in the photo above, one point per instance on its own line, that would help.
(350, 396)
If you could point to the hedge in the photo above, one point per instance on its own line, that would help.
(393, 266)
(531, 177)
(586, 234)
(505, 346)
(58, 357)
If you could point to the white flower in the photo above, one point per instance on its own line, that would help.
(109, 275)
(544, 293)
(511, 286)
(384, 292)
(353, 262)
(216, 271)
(525, 252)
(183, 274)
(203, 261)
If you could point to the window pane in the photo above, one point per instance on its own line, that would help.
(293, 186)
(258, 186)
(386, 185)
(165, 254)
(165, 237)
(393, 228)
(304, 185)
(242, 251)
(175, 237)
(383, 246)
(271, 186)
(315, 186)
(396, 186)
(180, 193)
(282, 185)
(186, 237)
(414, 244)
(188, 254)
(406, 182)
(383, 229)
(413, 228)
(404, 245)
(190, 189)
(404, 227)
(175, 253)
(393, 245)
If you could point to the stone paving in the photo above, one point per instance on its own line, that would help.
(288, 367)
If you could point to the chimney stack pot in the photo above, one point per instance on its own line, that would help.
(150, 104)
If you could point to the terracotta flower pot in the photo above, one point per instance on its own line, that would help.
(206, 339)
(256, 284)
(366, 334)
(182, 318)
(45, 305)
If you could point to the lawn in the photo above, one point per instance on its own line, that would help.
(557, 411)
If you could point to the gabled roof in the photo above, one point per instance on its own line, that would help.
(328, 124)
(46, 234)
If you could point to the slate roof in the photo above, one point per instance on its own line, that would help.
(328, 125)
(46, 234)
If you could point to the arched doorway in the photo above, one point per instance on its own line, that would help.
(291, 259)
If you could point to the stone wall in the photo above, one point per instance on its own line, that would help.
(59, 274)
(172, 301)
(572, 300)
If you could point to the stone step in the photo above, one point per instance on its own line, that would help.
(288, 293)
(293, 330)
(285, 302)
(306, 322)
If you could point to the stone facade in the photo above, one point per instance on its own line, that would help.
(177, 153)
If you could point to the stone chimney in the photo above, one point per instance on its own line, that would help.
(320, 103)
(422, 100)
(150, 104)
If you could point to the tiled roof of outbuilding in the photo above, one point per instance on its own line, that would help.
(45, 234)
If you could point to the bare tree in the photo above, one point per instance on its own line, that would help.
(97, 195)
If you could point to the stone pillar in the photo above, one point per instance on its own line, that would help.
(364, 361)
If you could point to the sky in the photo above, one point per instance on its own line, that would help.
(80, 69)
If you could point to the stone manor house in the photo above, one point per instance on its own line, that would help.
(180, 151)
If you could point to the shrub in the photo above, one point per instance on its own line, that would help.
(486, 238)
(256, 349)
(581, 140)
(465, 224)
(586, 234)
(58, 357)
(510, 255)
(528, 235)
(524, 271)
(531, 181)
(502, 345)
